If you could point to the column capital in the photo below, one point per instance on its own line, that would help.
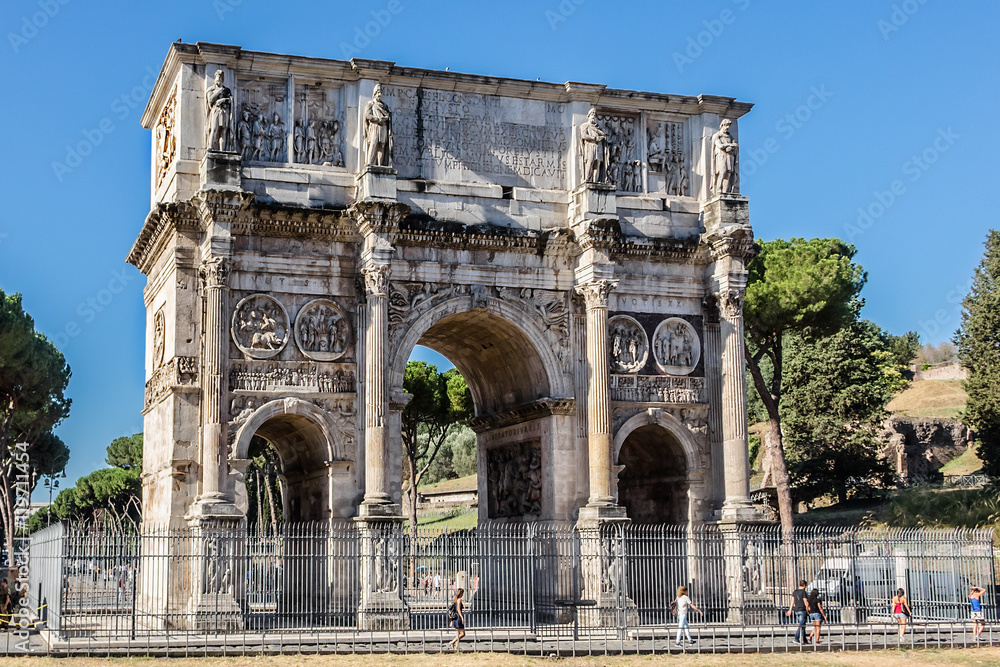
(214, 273)
(381, 217)
(733, 241)
(376, 279)
(731, 303)
(596, 292)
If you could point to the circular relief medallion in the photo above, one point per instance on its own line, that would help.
(260, 326)
(322, 331)
(676, 347)
(629, 345)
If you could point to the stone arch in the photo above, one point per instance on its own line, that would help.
(315, 464)
(472, 337)
(662, 469)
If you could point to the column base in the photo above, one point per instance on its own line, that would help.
(213, 507)
(215, 613)
(591, 514)
(377, 183)
(221, 170)
(593, 200)
(742, 511)
(379, 511)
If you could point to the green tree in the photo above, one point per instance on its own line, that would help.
(978, 342)
(125, 452)
(794, 286)
(33, 379)
(262, 484)
(441, 401)
(113, 494)
(837, 387)
(904, 348)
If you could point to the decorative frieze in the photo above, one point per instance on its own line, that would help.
(262, 129)
(178, 372)
(317, 137)
(523, 413)
(624, 166)
(667, 158)
(514, 480)
(657, 389)
(252, 375)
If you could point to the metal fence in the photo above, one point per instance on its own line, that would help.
(529, 587)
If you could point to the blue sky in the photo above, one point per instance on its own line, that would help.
(875, 106)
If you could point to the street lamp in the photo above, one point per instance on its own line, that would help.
(51, 482)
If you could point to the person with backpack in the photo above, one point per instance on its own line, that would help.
(456, 618)
(680, 607)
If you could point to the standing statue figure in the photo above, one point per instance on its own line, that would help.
(378, 131)
(725, 154)
(220, 115)
(244, 135)
(594, 144)
(277, 134)
(299, 141)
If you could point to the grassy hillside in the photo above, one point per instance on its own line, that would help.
(458, 484)
(930, 398)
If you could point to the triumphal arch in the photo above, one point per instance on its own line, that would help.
(577, 251)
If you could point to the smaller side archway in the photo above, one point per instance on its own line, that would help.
(660, 468)
(315, 464)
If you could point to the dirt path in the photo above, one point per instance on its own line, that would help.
(989, 657)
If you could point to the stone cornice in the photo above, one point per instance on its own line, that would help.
(267, 220)
(221, 206)
(262, 63)
(163, 219)
(523, 413)
(732, 241)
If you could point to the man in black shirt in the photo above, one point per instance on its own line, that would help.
(800, 605)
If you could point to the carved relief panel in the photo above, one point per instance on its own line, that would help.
(624, 166)
(166, 137)
(318, 136)
(676, 347)
(514, 480)
(322, 330)
(260, 326)
(159, 338)
(262, 120)
(627, 345)
(667, 156)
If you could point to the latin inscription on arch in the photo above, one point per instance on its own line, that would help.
(455, 136)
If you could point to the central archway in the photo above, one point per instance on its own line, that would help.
(524, 410)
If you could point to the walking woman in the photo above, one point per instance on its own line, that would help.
(683, 604)
(816, 614)
(457, 617)
(901, 610)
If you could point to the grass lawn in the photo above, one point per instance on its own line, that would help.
(456, 519)
(916, 658)
(930, 398)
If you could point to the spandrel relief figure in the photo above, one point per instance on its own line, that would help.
(378, 131)
(220, 114)
(594, 145)
(725, 158)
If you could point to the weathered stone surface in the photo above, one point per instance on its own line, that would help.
(563, 244)
(918, 447)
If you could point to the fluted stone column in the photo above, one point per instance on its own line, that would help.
(596, 294)
(734, 403)
(214, 274)
(376, 391)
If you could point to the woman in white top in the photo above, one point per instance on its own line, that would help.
(683, 604)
